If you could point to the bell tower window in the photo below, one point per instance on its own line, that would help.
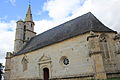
(24, 32)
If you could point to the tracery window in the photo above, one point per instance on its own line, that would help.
(64, 61)
(104, 46)
(117, 44)
(24, 63)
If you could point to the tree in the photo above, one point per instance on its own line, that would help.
(1, 70)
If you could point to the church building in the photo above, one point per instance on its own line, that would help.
(82, 48)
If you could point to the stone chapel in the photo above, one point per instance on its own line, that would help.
(82, 48)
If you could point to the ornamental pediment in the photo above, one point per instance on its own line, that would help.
(44, 58)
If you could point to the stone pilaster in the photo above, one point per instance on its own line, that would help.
(9, 55)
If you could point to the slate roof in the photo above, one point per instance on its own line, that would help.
(80, 25)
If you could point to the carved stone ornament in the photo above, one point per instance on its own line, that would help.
(44, 59)
(92, 35)
(117, 37)
(24, 63)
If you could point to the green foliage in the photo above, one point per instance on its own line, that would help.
(1, 66)
(114, 78)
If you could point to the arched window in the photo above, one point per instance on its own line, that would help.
(31, 25)
(104, 46)
(117, 44)
(24, 63)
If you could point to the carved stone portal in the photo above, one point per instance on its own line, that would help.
(44, 62)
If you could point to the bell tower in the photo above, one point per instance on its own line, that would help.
(28, 26)
(24, 31)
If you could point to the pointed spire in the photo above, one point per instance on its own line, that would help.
(29, 14)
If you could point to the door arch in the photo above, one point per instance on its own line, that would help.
(46, 74)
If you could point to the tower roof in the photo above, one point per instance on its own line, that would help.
(29, 14)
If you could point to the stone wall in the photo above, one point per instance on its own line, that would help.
(74, 49)
(80, 61)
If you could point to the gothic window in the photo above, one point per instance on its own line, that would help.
(104, 46)
(92, 44)
(117, 43)
(24, 63)
(118, 46)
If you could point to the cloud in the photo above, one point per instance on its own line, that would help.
(59, 9)
(6, 38)
(3, 18)
(13, 2)
(43, 25)
(106, 11)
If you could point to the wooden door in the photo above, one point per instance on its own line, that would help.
(46, 73)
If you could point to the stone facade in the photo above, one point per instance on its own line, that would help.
(82, 62)
(91, 55)
(75, 49)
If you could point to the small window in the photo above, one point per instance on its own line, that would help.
(28, 38)
(64, 61)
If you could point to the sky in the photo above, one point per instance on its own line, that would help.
(50, 13)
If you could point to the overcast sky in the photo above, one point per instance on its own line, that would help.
(49, 13)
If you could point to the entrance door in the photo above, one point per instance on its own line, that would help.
(46, 73)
